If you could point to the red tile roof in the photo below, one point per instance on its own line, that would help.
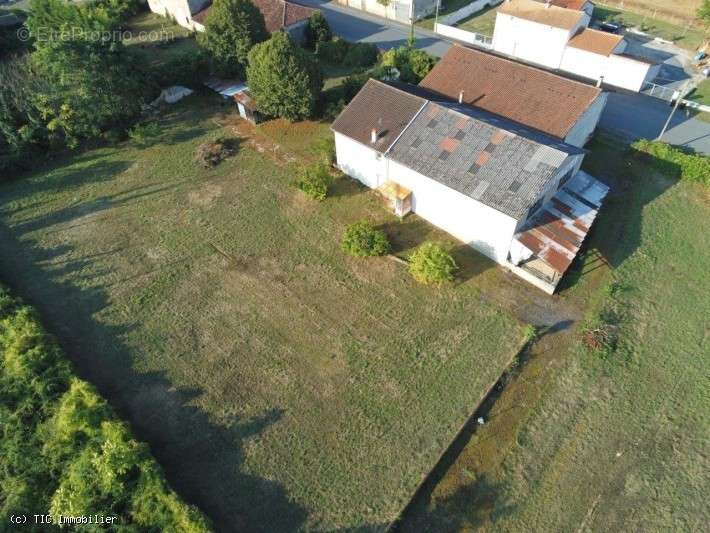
(535, 11)
(568, 4)
(278, 14)
(530, 96)
(595, 41)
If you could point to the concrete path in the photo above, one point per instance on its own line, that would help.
(632, 116)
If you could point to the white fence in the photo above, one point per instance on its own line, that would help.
(468, 10)
(464, 36)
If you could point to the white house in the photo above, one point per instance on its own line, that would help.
(566, 109)
(285, 15)
(555, 35)
(400, 10)
(512, 193)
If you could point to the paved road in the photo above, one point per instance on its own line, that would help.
(632, 115)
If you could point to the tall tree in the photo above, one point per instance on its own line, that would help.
(283, 78)
(95, 84)
(232, 28)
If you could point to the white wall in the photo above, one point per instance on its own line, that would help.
(360, 162)
(481, 227)
(619, 71)
(530, 41)
(463, 35)
(582, 131)
(177, 9)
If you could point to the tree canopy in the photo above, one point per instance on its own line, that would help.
(232, 28)
(284, 79)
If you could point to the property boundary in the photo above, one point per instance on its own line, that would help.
(468, 37)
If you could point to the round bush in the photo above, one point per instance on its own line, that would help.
(363, 240)
(431, 264)
(314, 181)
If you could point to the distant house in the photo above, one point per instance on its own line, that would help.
(555, 35)
(400, 10)
(285, 15)
(560, 107)
(514, 193)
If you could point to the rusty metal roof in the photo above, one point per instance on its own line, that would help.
(556, 232)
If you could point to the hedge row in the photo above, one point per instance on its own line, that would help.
(676, 163)
(63, 451)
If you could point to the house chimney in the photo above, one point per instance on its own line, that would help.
(600, 81)
(461, 96)
(373, 136)
(547, 4)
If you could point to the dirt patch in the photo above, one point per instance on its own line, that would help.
(206, 195)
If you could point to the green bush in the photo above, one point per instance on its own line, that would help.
(314, 181)
(432, 264)
(183, 68)
(324, 148)
(144, 134)
(62, 448)
(674, 162)
(334, 51)
(361, 239)
(361, 55)
(317, 31)
(413, 65)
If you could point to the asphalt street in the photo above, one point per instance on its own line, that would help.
(632, 116)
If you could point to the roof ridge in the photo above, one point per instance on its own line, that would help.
(529, 67)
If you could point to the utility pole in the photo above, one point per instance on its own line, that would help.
(436, 16)
(681, 95)
(411, 24)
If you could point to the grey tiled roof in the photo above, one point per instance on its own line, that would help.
(490, 159)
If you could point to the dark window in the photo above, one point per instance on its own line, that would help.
(474, 168)
(444, 155)
(515, 186)
(489, 148)
(460, 135)
(432, 123)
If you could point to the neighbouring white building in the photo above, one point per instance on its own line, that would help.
(515, 194)
(400, 10)
(558, 38)
(285, 15)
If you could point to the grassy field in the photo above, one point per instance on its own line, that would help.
(158, 38)
(701, 93)
(577, 442)
(281, 384)
(446, 8)
(483, 22)
(676, 11)
(683, 35)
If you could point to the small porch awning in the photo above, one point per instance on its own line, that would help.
(398, 197)
(556, 232)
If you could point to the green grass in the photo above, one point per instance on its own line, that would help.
(689, 38)
(158, 38)
(482, 22)
(281, 383)
(582, 443)
(446, 9)
(701, 94)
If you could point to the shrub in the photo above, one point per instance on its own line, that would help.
(361, 239)
(432, 264)
(325, 149)
(210, 154)
(530, 333)
(333, 51)
(317, 30)
(144, 134)
(183, 68)
(284, 79)
(412, 64)
(361, 55)
(314, 181)
(675, 162)
(63, 448)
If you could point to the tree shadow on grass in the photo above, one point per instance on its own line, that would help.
(636, 179)
(203, 461)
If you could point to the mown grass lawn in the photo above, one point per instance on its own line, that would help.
(158, 39)
(483, 22)
(281, 384)
(582, 443)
